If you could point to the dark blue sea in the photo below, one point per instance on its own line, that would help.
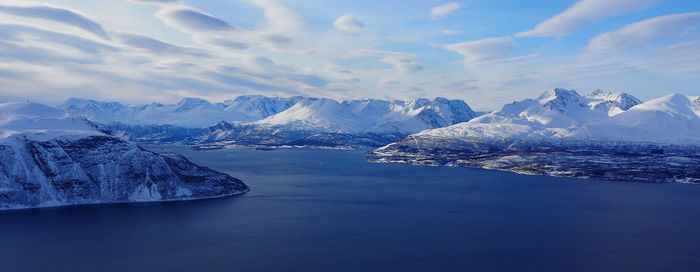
(330, 210)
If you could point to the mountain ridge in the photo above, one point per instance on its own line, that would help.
(565, 134)
(297, 121)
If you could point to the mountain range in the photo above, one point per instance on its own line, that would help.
(562, 133)
(602, 135)
(273, 121)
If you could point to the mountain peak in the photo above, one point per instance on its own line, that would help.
(192, 101)
(558, 93)
(189, 103)
(29, 109)
(560, 99)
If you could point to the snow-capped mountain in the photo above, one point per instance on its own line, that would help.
(369, 115)
(672, 119)
(252, 120)
(189, 112)
(257, 107)
(49, 158)
(554, 115)
(558, 124)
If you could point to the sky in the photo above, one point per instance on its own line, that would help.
(488, 53)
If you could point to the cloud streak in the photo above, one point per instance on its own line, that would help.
(278, 15)
(156, 46)
(59, 15)
(644, 32)
(349, 24)
(442, 10)
(584, 13)
(476, 52)
(404, 63)
(192, 20)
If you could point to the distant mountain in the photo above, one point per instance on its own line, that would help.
(48, 158)
(189, 112)
(260, 120)
(602, 135)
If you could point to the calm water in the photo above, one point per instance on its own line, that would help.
(328, 210)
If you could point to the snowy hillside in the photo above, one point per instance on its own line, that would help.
(369, 115)
(51, 159)
(557, 122)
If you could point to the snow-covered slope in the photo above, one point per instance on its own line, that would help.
(604, 135)
(672, 119)
(321, 114)
(257, 107)
(370, 115)
(554, 115)
(48, 158)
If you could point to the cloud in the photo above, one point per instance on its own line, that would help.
(156, 1)
(278, 15)
(271, 71)
(60, 15)
(450, 32)
(349, 24)
(261, 62)
(26, 34)
(584, 13)
(334, 68)
(682, 57)
(277, 39)
(459, 84)
(228, 44)
(644, 32)
(404, 63)
(389, 82)
(475, 52)
(192, 20)
(31, 54)
(514, 59)
(156, 46)
(308, 80)
(442, 10)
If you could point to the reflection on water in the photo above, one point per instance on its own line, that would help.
(329, 210)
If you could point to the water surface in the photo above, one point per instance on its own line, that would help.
(329, 210)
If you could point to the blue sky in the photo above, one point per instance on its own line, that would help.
(486, 52)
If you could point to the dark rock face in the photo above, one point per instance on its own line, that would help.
(100, 169)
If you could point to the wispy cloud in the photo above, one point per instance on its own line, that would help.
(60, 15)
(442, 10)
(189, 19)
(682, 57)
(28, 33)
(156, 46)
(584, 13)
(278, 15)
(476, 52)
(644, 32)
(450, 31)
(349, 24)
(404, 63)
(156, 1)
